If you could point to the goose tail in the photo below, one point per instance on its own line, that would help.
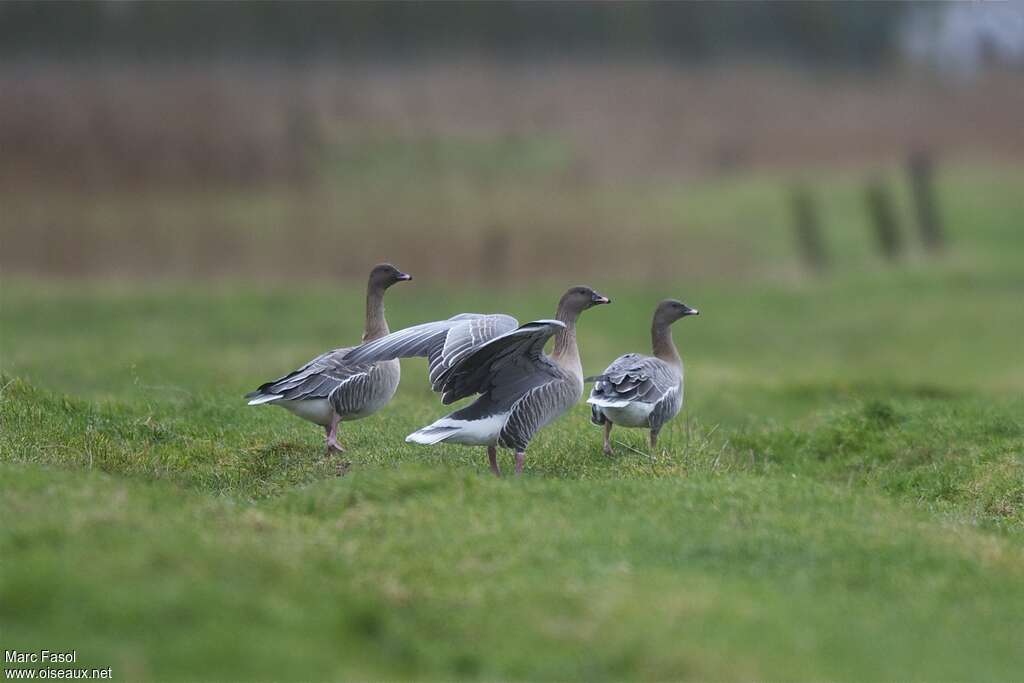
(431, 434)
(257, 398)
(601, 402)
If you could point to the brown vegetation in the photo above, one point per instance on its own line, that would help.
(237, 169)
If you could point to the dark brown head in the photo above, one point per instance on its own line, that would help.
(384, 275)
(671, 310)
(578, 299)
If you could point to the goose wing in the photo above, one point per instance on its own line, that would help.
(316, 379)
(536, 408)
(666, 408)
(444, 343)
(634, 378)
(504, 368)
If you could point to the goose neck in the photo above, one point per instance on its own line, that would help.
(566, 353)
(663, 345)
(376, 325)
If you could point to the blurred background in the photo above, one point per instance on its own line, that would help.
(828, 182)
(485, 141)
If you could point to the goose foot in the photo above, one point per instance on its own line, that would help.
(332, 437)
(607, 439)
(492, 455)
(520, 459)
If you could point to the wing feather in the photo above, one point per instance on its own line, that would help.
(316, 379)
(533, 410)
(635, 378)
(667, 408)
(445, 343)
(504, 367)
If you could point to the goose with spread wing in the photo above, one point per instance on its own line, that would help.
(643, 391)
(332, 388)
(520, 388)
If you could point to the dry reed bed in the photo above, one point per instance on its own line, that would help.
(247, 123)
(258, 170)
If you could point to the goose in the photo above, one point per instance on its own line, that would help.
(643, 391)
(521, 389)
(331, 388)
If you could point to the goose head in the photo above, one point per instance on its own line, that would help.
(384, 275)
(580, 298)
(671, 310)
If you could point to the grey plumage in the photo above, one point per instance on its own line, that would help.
(667, 408)
(642, 391)
(520, 388)
(536, 408)
(636, 379)
(516, 379)
(332, 388)
(316, 379)
(444, 342)
(504, 367)
(350, 388)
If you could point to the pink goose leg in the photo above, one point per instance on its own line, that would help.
(520, 459)
(492, 455)
(332, 435)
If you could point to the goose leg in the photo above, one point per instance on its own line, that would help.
(492, 455)
(520, 459)
(654, 440)
(332, 435)
(608, 437)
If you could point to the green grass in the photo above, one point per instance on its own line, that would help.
(842, 499)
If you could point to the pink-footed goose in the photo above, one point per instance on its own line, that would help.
(331, 388)
(521, 388)
(643, 391)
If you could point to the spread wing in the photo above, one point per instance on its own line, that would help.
(444, 343)
(316, 379)
(505, 368)
(634, 378)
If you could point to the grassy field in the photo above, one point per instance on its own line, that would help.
(842, 499)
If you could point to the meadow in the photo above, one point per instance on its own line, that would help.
(842, 498)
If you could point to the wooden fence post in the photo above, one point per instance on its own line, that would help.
(920, 167)
(883, 216)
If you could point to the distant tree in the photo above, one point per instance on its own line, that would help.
(841, 34)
